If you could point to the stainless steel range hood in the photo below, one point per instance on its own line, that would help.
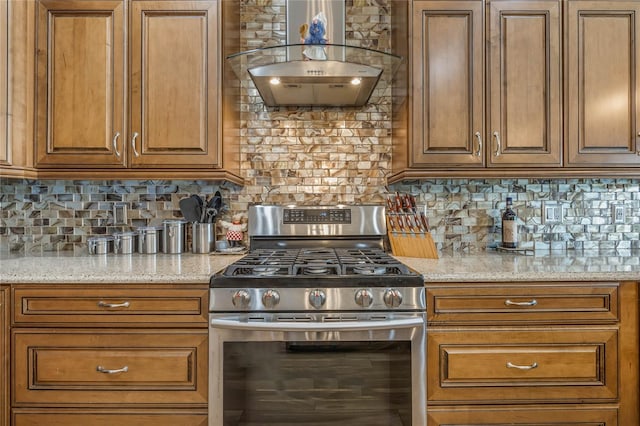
(357, 76)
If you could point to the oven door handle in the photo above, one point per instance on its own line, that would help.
(234, 324)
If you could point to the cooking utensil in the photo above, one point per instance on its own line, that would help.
(213, 207)
(190, 209)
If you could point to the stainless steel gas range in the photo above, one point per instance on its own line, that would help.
(317, 324)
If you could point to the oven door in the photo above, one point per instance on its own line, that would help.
(317, 369)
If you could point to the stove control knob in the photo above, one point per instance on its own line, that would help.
(241, 299)
(364, 298)
(317, 298)
(392, 298)
(270, 298)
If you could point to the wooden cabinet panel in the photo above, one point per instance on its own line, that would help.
(448, 55)
(603, 83)
(4, 358)
(560, 303)
(511, 365)
(34, 417)
(174, 77)
(524, 84)
(525, 416)
(109, 367)
(80, 83)
(108, 307)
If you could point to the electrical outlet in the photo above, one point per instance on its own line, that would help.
(120, 214)
(617, 213)
(552, 213)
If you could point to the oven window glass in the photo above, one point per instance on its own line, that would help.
(317, 384)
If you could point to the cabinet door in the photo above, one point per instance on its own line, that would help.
(447, 51)
(80, 83)
(524, 84)
(97, 417)
(603, 83)
(113, 368)
(517, 365)
(525, 416)
(174, 76)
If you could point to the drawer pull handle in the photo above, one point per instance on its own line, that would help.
(101, 369)
(103, 304)
(532, 302)
(522, 367)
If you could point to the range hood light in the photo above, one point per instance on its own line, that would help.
(274, 80)
(355, 81)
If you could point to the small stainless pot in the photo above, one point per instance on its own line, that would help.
(100, 245)
(124, 242)
(173, 236)
(149, 239)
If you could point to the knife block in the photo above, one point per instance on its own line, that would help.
(410, 241)
(412, 244)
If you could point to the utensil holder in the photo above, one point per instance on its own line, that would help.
(203, 238)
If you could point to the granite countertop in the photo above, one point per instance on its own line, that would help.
(135, 268)
(193, 268)
(546, 266)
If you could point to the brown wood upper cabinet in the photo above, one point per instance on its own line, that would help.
(603, 83)
(162, 110)
(520, 72)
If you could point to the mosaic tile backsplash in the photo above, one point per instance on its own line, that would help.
(464, 214)
(324, 156)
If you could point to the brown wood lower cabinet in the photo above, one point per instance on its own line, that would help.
(4, 358)
(106, 418)
(534, 353)
(109, 367)
(121, 355)
(568, 415)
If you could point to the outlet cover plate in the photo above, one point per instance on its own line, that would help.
(617, 213)
(552, 213)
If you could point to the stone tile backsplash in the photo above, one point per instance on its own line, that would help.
(323, 156)
(464, 214)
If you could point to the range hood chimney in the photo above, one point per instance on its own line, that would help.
(360, 75)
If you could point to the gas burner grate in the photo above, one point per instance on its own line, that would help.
(316, 262)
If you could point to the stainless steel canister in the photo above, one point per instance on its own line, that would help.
(203, 237)
(149, 239)
(100, 245)
(173, 236)
(124, 242)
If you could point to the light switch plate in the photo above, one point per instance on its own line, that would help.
(552, 213)
(617, 213)
(120, 214)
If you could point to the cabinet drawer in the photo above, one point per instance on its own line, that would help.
(526, 303)
(106, 307)
(525, 416)
(510, 365)
(40, 417)
(59, 367)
